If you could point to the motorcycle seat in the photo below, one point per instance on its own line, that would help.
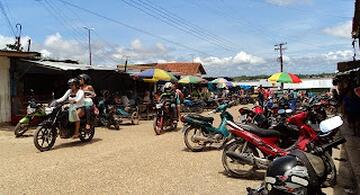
(260, 131)
(201, 118)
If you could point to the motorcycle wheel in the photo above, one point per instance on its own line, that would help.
(44, 138)
(239, 170)
(331, 170)
(135, 120)
(189, 141)
(86, 135)
(158, 125)
(20, 129)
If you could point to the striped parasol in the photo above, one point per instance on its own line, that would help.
(155, 75)
(283, 77)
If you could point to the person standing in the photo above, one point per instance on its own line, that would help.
(261, 96)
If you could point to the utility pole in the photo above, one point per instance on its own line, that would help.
(126, 62)
(89, 39)
(280, 47)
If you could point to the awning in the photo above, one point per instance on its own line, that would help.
(68, 66)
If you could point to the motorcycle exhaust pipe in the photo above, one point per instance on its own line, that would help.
(249, 159)
(201, 138)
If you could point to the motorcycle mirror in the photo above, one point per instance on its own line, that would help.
(53, 95)
(288, 111)
(281, 111)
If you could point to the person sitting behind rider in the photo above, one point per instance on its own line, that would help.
(89, 93)
(170, 93)
(75, 96)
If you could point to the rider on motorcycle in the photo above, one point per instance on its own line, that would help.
(89, 95)
(75, 96)
(170, 93)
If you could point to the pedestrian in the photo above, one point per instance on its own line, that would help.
(261, 96)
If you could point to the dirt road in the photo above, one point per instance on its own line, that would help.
(129, 161)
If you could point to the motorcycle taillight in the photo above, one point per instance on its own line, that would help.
(182, 118)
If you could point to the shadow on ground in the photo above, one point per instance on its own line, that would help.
(76, 143)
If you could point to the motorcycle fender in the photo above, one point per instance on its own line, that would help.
(185, 128)
(25, 120)
(45, 123)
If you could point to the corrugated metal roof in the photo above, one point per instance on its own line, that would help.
(70, 66)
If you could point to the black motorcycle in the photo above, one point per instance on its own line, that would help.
(164, 117)
(57, 123)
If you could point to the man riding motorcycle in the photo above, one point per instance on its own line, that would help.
(170, 94)
(75, 96)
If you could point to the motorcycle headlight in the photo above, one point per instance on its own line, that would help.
(158, 106)
(49, 110)
(30, 110)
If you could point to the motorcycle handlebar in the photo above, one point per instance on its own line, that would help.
(335, 143)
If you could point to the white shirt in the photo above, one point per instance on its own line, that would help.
(79, 98)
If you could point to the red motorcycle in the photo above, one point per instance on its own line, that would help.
(254, 148)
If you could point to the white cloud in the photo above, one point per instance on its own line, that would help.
(287, 2)
(338, 55)
(342, 30)
(245, 58)
(240, 58)
(138, 51)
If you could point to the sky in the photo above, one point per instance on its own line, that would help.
(229, 37)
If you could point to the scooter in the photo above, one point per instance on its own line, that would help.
(199, 131)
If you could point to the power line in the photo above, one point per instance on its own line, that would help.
(111, 46)
(133, 27)
(148, 11)
(9, 23)
(184, 23)
(75, 33)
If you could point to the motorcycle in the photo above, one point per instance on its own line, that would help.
(317, 170)
(255, 148)
(108, 116)
(190, 105)
(164, 116)
(210, 103)
(34, 112)
(57, 123)
(199, 131)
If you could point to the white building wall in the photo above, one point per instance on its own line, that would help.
(5, 100)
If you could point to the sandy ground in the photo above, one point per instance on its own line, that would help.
(129, 161)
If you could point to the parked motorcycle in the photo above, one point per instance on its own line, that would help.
(191, 105)
(57, 123)
(34, 112)
(199, 131)
(108, 116)
(164, 117)
(254, 148)
(299, 172)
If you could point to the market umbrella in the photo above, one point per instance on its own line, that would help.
(283, 77)
(219, 80)
(154, 75)
(190, 80)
